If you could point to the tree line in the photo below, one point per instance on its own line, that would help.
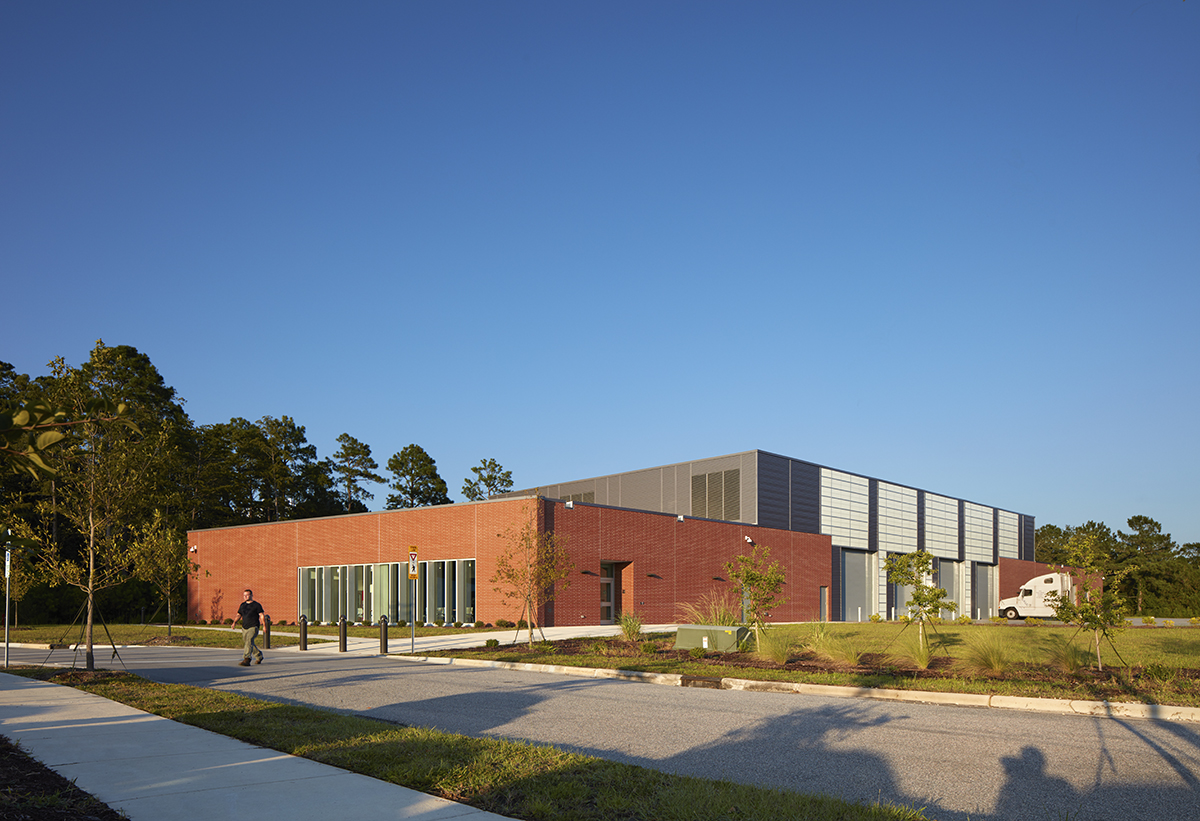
(1150, 573)
(106, 473)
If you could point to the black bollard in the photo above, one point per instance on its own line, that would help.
(383, 638)
(304, 632)
(266, 632)
(341, 634)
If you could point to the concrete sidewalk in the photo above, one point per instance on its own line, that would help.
(152, 768)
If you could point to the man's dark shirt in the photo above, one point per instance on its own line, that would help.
(248, 612)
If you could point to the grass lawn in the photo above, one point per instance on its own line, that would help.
(1150, 665)
(510, 778)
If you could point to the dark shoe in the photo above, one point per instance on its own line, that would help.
(244, 663)
(258, 660)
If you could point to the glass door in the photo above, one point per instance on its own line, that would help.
(607, 594)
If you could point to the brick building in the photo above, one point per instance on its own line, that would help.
(646, 540)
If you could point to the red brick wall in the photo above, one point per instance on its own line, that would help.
(265, 557)
(671, 562)
(664, 561)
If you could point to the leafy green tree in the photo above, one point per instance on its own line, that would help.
(532, 569)
(761, 584)
(160, 556)
(415, 480)
(926, 602)
(354, 465)
(1097, 605)
(1146, 553)
(286, 454)
(490, 478)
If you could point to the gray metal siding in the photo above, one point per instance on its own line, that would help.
(806, 496)
(774, 489)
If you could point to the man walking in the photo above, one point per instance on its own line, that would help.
(249, 612)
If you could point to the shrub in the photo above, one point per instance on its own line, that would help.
(985, 655)
(916, 653)
(631, 625)
(998, 620)
(964, 619)
(228, 621)
(648, 648)
(1168, 623)
(1035, 622)
(522, 624)
(401, 623)
(479, 625)
(876, 618)
(458, 624)
(545, 647)
(824, 645)
(205, 621)
(492, 643)
(1148, 620)
(774, 646)
(696, 653)
(1066, 656)
(1194, 620)
(504, 624)
(439, 622)
(1159, 673)
(717, 607)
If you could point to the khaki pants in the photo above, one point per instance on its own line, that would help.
(249, 649)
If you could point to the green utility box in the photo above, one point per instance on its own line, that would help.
(710, 637)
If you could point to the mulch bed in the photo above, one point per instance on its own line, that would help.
(31, 791)
(1112, 681)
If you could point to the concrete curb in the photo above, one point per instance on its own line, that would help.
(1097, 709)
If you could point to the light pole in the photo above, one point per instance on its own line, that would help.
(7, 577)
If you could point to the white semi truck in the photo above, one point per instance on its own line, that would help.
(1031, 601)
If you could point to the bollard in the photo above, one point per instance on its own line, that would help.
(383, 638)
(341, 634)
(304, 632)
(266, 632)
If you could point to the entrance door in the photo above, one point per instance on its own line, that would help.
(608, 598)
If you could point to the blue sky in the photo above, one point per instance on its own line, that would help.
(952, 245)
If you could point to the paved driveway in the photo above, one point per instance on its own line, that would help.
(957, 762)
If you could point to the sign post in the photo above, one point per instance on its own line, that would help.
(412, 577)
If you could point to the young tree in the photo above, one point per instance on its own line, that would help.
(761, 585)
(103, 482)
(532, 569)
(160, 557)
(1097, 604)
(416, 480)
(490, 478)
(915, 571)
(354, 465)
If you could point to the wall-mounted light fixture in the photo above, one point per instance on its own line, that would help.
(193, 548)
(570, 505)
(679, 518)
(748, 540)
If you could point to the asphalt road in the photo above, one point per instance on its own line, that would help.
(956, 762)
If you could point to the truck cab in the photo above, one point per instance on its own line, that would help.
(1031, 601)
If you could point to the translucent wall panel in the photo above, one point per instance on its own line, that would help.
(977, 526)
(845, 509)
(897, 517)
(366, 592)
(941, 526)
(1009, 535)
